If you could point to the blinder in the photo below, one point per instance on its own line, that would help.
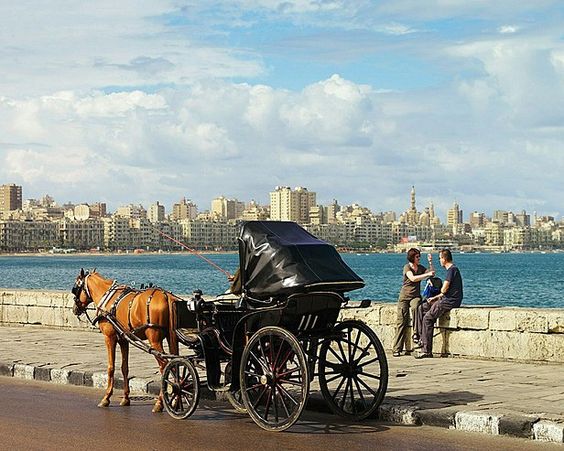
(80, 286)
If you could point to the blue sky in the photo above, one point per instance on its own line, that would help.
(140, 100)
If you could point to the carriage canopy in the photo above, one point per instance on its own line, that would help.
(281, 258)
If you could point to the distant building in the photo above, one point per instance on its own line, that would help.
(288, 205)
(454, 216)
(223, 208)
(10, 197)
(185, 209)
(156, 212)
(131, 212)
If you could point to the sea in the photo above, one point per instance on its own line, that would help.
(507, 279)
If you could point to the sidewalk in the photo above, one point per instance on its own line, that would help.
(519, 399)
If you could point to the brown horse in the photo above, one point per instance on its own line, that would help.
(148, 314)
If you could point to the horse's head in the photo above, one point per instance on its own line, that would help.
(81, 293)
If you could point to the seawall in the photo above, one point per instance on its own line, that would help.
(501, 333)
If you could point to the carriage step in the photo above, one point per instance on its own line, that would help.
(188, 335)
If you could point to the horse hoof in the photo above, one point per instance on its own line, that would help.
(157, 408)
(125, 402)
(104, 403)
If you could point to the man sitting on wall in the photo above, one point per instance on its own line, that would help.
(450, 297)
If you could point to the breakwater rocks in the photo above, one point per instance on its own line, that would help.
(501, 333)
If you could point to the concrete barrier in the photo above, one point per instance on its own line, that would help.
(501, 333)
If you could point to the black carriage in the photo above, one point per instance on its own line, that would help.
(266, 345)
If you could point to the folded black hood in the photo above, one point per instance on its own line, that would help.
(279, 258)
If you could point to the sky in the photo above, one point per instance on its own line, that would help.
(139, 101)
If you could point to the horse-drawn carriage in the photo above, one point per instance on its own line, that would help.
(265, 346)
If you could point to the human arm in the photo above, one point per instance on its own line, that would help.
(430, 260)
(419, 277)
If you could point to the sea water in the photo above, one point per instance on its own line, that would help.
(509, 279)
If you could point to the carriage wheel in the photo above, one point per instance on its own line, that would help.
(235, 399)
(274, 378)
(181, 388)
(353, 370)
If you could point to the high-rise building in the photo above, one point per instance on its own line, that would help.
(185, 209)
(156, 212)
(131, 211)
(288, 205)
(477, 220)
(10, 197)
(454, 215)
(224, 208)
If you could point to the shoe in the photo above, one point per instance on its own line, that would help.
(396, 354)
(425, 355)
(418, 345)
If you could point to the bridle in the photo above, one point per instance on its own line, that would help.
(81, 285)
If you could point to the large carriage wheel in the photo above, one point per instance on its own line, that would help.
(274, 378)
(235, 399)
(353, 370)
(181, 388)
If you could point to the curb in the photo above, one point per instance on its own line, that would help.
(485, 422)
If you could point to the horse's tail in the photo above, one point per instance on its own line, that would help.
(172, 339)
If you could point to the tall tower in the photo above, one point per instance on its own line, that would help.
(412, 216)
(10, 197)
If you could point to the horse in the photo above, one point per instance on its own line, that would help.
(148, 314)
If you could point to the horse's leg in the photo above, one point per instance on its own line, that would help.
(124, 347)
(155, 338)
(111, 341)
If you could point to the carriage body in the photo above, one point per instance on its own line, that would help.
(265, 345)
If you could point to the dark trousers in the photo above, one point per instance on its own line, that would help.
(427, 314)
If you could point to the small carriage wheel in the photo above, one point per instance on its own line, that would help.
(274, 378)
(235, 399)
(353, 370)
(181, 388)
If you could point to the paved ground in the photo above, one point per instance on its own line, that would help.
(525, 400)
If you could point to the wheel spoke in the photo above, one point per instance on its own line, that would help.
(375, 359)
(338, 388)
(358, 334)
(343, 399)
(288, 381)
(335, 354)
(282, 400)
(359, 390)
(370, 375)
(367, 386)
(288, 395)
(255, 404)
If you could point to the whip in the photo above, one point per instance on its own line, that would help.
(193, 251)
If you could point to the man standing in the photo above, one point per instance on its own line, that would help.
(450, 297)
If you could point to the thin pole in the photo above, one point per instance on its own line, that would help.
(193, 251)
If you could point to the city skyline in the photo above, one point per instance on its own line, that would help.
(143, 101)
(411, 205)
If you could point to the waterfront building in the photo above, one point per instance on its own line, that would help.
(10, 198)
(185, 209)
(156, 212)
(81, 212)
(210, 235)
(288, 205)
(255, 212)
(81, 234)
(454, 217)
(22, 236)
(477, 220)
(494, 233)
(223, 208)
(131, 211)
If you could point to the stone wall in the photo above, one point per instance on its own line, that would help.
(503, 333)
(474, 332)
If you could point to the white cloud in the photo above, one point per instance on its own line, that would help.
(508, 29)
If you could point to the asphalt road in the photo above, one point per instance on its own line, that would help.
(41, 416)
